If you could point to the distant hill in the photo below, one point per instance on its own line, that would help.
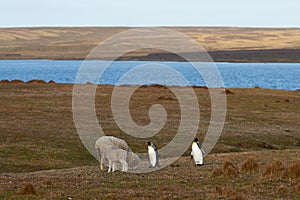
(223, 43)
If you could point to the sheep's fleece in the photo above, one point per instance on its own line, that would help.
(105, 143)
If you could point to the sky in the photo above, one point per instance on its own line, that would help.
(251, 13)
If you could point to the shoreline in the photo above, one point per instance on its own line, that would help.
(42, 82)
(227, 56)
(143, 60)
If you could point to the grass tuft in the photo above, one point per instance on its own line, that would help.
(297, 188)
(275, 170)
(222, 192)
(28, 189)
(239, 196)
(229, 169)
(294, 170)
(282, 189)
(217, 172)
(228, 193)
(250, 165)
(228, 91)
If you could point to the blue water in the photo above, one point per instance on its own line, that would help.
(235, 75)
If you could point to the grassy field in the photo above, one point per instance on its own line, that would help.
(223, 44)
(40, 147)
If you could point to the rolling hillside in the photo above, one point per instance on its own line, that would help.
(223, 44)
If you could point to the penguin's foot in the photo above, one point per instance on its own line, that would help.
(199, 164)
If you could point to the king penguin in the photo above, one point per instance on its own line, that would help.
(197, 152)
(153, 154)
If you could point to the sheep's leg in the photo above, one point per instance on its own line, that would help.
(113, 166)
(124, 166)
(101, 163)
(109, 166)
(101, 159)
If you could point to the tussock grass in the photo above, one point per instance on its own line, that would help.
(228, 91)
(217, 172)
(250, 165)
(297, 188)
(224, 191)
(275, 170)
(239, 196)
(229, 193)
(28, 189)
(294, 170)
(229, 169)
(282, 189)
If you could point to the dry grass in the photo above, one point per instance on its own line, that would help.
(294, 170)
(28, 189)
(229, 193)
(275, 170)
(37, 118)
(229, 169)
(180, 181)
(228, 91)
(224, 44)
(250, 165)
(224, 191)
(297, 189)
(17, 81)
(282, 189)
(36, 82)
(239, 196)
(217, 172)
(4, 81)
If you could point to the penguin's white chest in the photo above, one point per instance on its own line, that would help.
(152, 156)
(197, 154)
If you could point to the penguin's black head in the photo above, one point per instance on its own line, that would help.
(149, 143)
(195, 139)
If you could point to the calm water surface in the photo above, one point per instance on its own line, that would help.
(235, 75)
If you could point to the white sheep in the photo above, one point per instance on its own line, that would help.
(116, 155)
(107, 143)
(115, 150)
